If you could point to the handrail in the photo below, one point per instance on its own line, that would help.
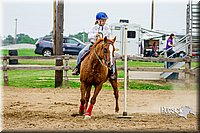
(183, 38)
(186, 44)
(165, 50)
(178, 43)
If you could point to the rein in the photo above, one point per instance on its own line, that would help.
(99, 58)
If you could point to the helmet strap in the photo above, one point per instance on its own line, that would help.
(99, 22)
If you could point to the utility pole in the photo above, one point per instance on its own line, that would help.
(15, 31)
(152, 15)
(83, 34)
(59, 41)
(54, 26)
(83, 37)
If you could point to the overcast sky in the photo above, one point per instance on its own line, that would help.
(35, 18)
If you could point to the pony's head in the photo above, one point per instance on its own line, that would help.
(106, 50)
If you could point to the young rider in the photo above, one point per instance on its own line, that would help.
(100, 29)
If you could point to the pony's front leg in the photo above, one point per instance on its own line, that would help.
(87, 97)
(81, 108)
(93, 101)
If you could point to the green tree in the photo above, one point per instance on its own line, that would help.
(22, 38)
(83, 36)
(9, 40)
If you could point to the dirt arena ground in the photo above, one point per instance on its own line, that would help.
(31, 109)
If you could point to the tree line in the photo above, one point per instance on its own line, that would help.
(83, 36)
(20, 38)
(23, 38)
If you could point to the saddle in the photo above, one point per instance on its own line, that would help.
(86, 53)
(83, 57)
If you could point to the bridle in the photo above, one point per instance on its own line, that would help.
(104, 55)
(99, 57)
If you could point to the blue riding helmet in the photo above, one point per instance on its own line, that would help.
(101, 15)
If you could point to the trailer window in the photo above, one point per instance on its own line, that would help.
(117, 27)
(131, 34)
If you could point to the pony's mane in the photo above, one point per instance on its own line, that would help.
(100, 40)
(97, 42)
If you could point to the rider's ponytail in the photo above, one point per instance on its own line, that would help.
(96, 22)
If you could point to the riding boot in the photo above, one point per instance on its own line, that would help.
(76, 70)
(113, 76)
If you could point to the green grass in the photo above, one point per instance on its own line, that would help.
(31, 78)
(144, 64)
(45, 79)
(147, 86)
(195, 64)
(22, 52)
(50, 62)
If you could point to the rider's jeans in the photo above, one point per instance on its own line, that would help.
(82, 52)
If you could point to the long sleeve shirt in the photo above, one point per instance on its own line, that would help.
(105, 30)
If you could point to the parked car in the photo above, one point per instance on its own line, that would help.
(71, 46)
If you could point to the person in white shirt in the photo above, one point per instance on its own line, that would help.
(99, 30)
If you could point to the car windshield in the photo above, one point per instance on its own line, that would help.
(72, 41)
(65, 40)
(75, 39)
(48, 39)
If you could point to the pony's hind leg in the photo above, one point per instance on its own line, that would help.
(83, 90)
(115, 88)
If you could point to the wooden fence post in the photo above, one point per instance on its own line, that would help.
(187, 72)
(66, 62)
(165, 56)
(59, 42)
(59, 73)
(5, 72)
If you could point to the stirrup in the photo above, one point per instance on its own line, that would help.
(75, 72)
(112, 76)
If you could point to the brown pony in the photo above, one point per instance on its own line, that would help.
(95, 71)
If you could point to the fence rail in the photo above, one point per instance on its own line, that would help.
(38, 57)
(5, 67)
(133, 58)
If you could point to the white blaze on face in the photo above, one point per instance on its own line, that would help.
(111, 54)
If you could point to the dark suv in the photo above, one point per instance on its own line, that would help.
(71, 46)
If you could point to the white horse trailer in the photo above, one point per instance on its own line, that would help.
(133, 40)
(139, 41)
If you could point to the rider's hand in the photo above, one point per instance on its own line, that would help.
(97, 35)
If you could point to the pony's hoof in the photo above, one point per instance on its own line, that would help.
(81, 113)
(87, 117)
